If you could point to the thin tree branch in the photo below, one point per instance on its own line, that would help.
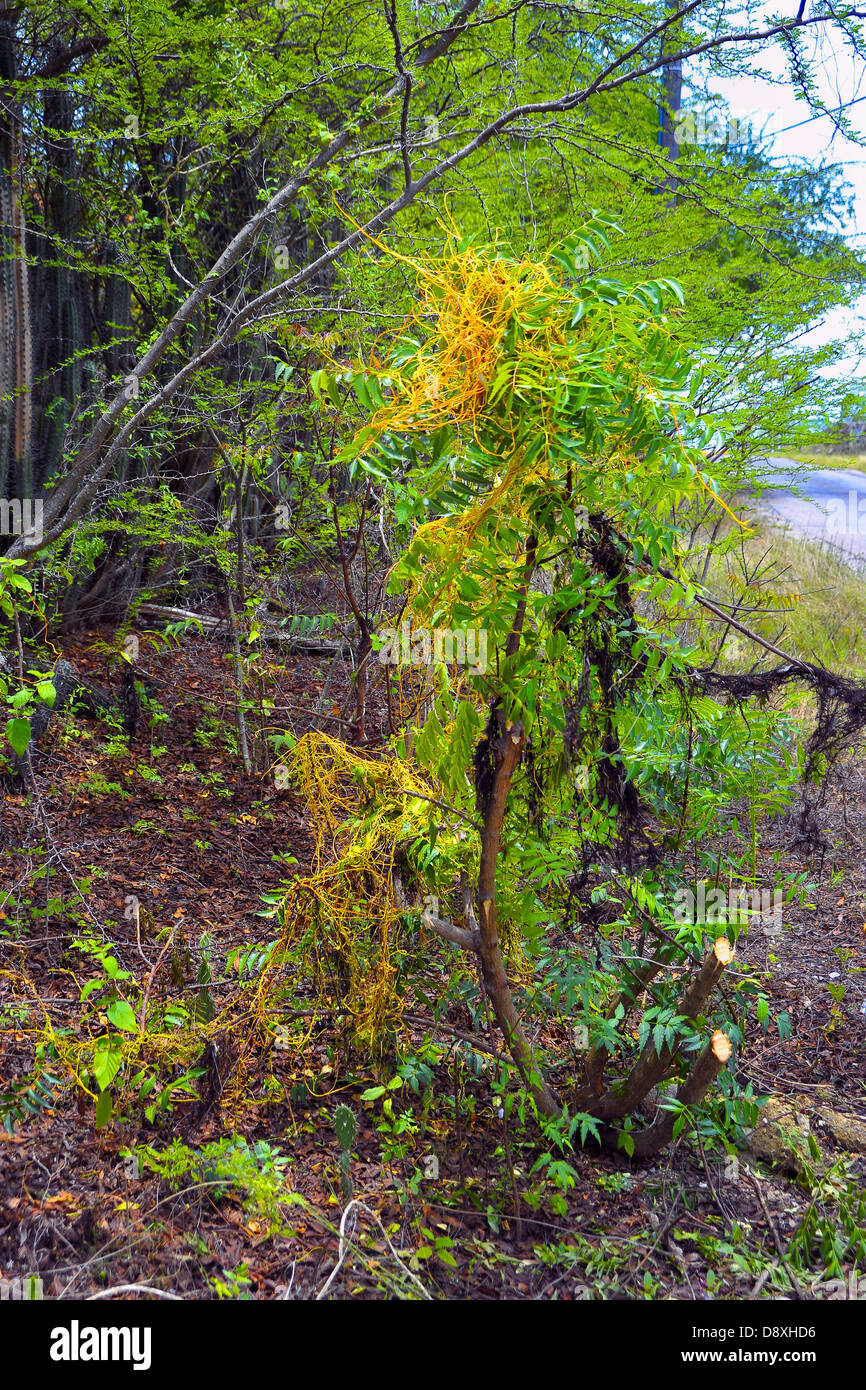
(391, 18)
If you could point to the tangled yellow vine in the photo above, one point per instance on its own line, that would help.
(498, 343)
(342, 920)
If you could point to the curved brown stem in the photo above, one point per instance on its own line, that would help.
(652, 1067)
(704, 1071)
(505, 750)
(597, 1059)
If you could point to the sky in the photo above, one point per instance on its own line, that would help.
(773, 106)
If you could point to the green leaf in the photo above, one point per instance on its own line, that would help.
(106, 1065)
(373, 1093)
(121, 1015)
(18, 734)
(103, 1109)
(625, 1141)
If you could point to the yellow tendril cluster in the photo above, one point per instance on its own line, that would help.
(343, 918)
(472, 298)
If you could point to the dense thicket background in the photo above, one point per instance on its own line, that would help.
(136, 143)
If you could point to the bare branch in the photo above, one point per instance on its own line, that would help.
(391, 18)
(469, 940)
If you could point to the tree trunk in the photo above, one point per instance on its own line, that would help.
(506, 752)
(16, 348)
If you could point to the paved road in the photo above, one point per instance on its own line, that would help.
(833, 509)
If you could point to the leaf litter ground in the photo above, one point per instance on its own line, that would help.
(197, 848)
